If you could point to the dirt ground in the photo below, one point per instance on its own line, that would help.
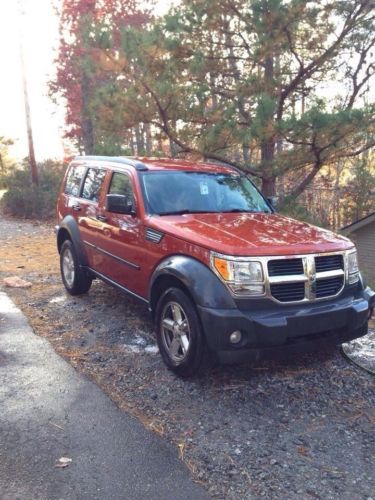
(294, 429)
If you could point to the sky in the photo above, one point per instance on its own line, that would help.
(38, 28)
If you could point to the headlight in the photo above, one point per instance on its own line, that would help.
(244, 277)
(353, 271)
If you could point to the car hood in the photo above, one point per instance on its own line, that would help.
(250, 233)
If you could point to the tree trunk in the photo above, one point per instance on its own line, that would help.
(269, 186)
(139, 140)
(246, 154)
(148, 139)
(87, 124)
(32, 161)
(267, 147)
(132, 142)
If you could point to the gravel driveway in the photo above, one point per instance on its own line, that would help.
(302, 428)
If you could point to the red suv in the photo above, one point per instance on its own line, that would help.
(222, 273)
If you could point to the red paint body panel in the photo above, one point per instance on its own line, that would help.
(250, 234)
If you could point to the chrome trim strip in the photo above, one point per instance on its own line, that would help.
(290, 278)
(119, 259)
(330, 274)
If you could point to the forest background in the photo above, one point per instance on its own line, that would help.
(281, 89)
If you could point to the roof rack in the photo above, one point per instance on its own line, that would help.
(138, 165)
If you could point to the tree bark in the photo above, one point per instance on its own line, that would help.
(148, 139)
(269, 186)
(267, 147)
(139, 140)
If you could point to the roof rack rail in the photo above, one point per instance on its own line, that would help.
(138, 165)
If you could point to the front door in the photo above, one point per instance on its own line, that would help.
(120, 238)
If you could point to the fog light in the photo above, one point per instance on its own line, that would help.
(235, 337)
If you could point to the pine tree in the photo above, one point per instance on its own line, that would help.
(269, 86)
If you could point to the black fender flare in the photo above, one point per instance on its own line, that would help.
(205, 288)
(69, 225)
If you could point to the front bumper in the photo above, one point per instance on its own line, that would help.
(271, 330)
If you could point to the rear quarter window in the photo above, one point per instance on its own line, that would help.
(73, 180)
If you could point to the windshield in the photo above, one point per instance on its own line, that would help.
(168, 193)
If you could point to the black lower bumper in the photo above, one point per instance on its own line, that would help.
(279, 331)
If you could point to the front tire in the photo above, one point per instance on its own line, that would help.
(75, 280)
(179, 333)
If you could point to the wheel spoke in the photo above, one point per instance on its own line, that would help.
(168, 324)
(184, 343)
(68, 267)
(175, 346)
(176, 312)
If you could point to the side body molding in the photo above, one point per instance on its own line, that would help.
(69, 226)
(204, 286)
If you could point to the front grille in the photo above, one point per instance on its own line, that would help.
(329, 263)
(285, 267)
(288, 292)
(329, 286)
(323, 277)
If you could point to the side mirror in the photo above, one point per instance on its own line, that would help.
(119, 204)
(273, 201)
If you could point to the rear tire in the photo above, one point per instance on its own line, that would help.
(179, 333)
(75, 279)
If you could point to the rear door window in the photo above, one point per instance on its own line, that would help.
(74, 179)
(93, 183)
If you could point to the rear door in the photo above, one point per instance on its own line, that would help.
(86, 210)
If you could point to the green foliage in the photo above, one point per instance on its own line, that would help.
(359, 193)
(293, 209)
(222, 78)
(5, 162)
(251, 84)
(23, 199)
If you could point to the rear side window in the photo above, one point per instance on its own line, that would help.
(73, 180)
(93, 183)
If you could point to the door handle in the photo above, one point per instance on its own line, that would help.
(102, 218)
(76, 208)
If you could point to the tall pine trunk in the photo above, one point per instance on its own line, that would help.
(267, 148)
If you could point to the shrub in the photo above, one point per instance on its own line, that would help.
(23, 199)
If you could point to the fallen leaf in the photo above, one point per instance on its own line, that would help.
(302, 450)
